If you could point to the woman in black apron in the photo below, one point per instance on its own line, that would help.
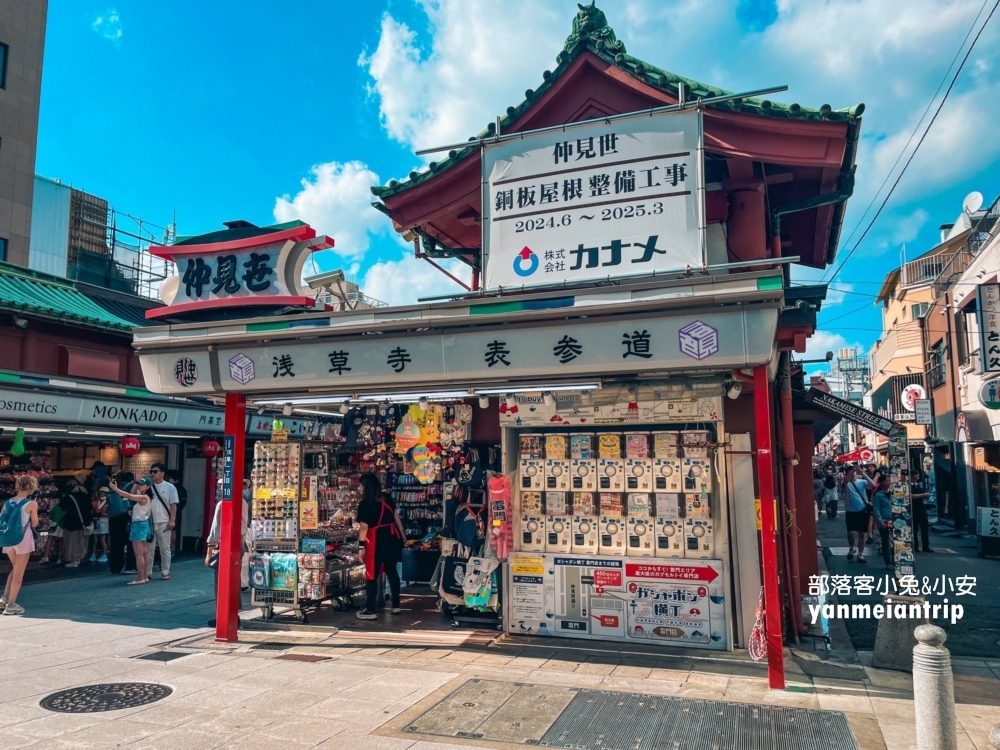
(381, 536)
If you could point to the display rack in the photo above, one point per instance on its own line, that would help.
(276, 481)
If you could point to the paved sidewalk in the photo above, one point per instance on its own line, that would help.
(362, 693)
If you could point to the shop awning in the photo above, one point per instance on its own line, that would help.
(33, 293)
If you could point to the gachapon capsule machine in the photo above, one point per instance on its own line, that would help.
(557, 465)
(558, 525)
(585, 523)
(699, 539)
(669, 525)
(640, 526)
(638, 462)
(610, 464)
(667, 462)
(612, 525)
(696, 466)
(531, 528)
(583, 462)
(531, 465)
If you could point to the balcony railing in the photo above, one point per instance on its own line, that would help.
(922, 270)
(986, 229)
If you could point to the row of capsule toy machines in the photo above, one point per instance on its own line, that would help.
(635, 494)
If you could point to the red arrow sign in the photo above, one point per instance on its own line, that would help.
(525, 253)
(671, 572)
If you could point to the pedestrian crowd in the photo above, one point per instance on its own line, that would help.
(121, 521)
(866, 495)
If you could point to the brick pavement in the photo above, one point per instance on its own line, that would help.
(79, 632)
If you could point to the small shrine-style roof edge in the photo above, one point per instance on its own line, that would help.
(613, 51)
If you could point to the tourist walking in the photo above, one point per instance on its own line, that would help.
(118, 510)
(830, 494)
(141, 533)
(100, 535)
(77, 520)
(882, 513)
(856, 485)
(918, 501)
(25, 515)
(163, 500)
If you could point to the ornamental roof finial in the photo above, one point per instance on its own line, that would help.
(591, 25)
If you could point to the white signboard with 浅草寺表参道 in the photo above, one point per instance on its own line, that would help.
(594, 200)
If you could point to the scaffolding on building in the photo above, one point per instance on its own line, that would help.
(110, 248)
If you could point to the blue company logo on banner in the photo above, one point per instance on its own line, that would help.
(525, 258)
(228, 456)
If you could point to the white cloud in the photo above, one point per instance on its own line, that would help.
(483, 55)
(335, 200)
(109, 25)
(403, 281)
(822, 342)
(908, 227)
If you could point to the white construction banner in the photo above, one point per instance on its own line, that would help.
(594, 200)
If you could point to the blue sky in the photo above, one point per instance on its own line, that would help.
(267, 112)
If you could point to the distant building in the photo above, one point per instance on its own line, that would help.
(22, 42)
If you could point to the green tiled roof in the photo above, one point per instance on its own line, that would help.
(33, 293)
(592, 32)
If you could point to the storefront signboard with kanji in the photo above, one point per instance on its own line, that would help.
(594, 200)
(582, 347)
(261, 270)
(988, 310)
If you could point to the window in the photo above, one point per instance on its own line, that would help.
(918, 310)
(961, 338)
(936, 374)
(3, 249)
(3, 65)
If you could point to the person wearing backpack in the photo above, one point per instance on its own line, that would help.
(77, 521)
(18, 540)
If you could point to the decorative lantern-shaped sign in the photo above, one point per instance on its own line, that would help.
(129, 446)
(211, 448)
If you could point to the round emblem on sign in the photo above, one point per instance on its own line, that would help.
(989, 394)
(525, 262)
(185, 372)
(911, 394)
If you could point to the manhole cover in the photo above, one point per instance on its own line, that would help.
(113, 696)
(271, 647)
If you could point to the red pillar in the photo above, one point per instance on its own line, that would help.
(769, 551)
(227, 606)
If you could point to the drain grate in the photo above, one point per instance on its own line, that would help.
(552, 716)
(271, 646)
(162, 656)
(113, 696)
(619, 721)
(303, 657)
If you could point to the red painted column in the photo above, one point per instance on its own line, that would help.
(769, 547)
(227, 606)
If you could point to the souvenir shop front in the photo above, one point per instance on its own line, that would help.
(571, 468)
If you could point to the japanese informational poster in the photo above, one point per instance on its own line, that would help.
(676, 602)
(594, 200)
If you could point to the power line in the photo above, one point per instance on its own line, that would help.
(916, 127)
(863, 307)
(919, 143)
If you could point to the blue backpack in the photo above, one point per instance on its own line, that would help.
(11, 528)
